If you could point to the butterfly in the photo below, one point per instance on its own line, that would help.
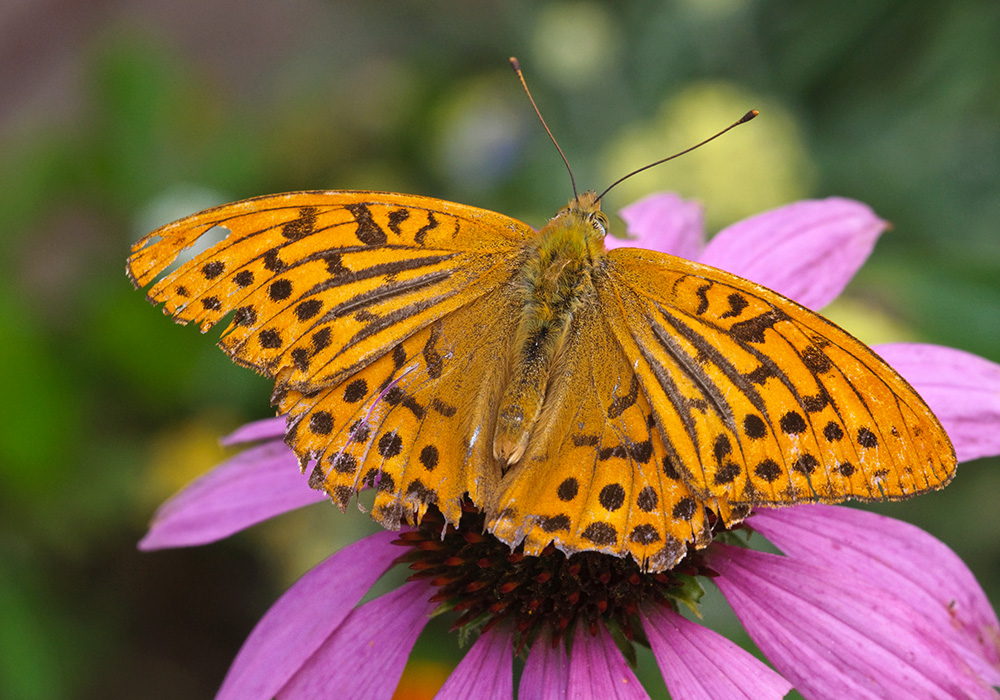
(618, 401)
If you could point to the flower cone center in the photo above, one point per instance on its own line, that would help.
(483, 581)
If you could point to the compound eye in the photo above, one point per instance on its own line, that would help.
(600, 223)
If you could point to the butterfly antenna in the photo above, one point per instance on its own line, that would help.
(743, 120)
(517, 69)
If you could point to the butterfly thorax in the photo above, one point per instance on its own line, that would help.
(554, 282)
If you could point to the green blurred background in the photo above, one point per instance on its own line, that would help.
(117, 116)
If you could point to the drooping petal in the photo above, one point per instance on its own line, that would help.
(833, 635)
(698, 664)
(896, 557)
(598, 670)
(266, 429)
(663, 222)
(256, 484)
(365, 657)
(546, 673)
(962, 389)
(486, 671)
(807, 251)
(304, 617)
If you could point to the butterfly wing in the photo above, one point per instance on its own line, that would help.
(358, 305)
(597, 473)
(299, 269)
(764, 401)
(691, 388)
(385, 321)
(414, 423)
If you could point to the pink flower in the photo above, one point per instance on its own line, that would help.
(858, 606)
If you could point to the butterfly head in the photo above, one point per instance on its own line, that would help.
(584, 221)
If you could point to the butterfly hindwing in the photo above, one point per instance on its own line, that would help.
(598, 474)
(414, 423)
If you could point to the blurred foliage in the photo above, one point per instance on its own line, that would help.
(119, 117)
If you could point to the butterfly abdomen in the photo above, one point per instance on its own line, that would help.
(554, 282)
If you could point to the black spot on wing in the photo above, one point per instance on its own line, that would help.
(396, 217)
(612, 497)
(737, 303)
(792, 423)
(356, 390)
(308, 309)
(213, 269)
(270, 339)
(622, 403)
(399, 356)
(752, 330)
(647, 500)
(432, 358)
(272, 262)
(702, 298)
(244, 278)
(368, 231)
(429, 457)
(302, 226)
(432, 223)
(816, 360)
(601, 534)
(280, 290)
(445, 409)
(554, 523)
(335, 264)
(644, 534)
(568, 489)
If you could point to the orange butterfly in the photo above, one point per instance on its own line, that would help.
(600, 400)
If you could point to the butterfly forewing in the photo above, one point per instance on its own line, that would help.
(782, 406)
(323, 282)
(381, 317)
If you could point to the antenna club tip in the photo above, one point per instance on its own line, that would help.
(515, 64)
(748, 116)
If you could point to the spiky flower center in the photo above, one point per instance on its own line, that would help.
(482, 580)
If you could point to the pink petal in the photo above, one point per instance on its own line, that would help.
(546, 673)
(598, 670)
(255, 485)
(896, 557)
(365, 657)
(807, 251)
(266, 429)
(304, 617)
(835, 636)
(698, 664)
(962, 389)
(663, 222)
(487, 671)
